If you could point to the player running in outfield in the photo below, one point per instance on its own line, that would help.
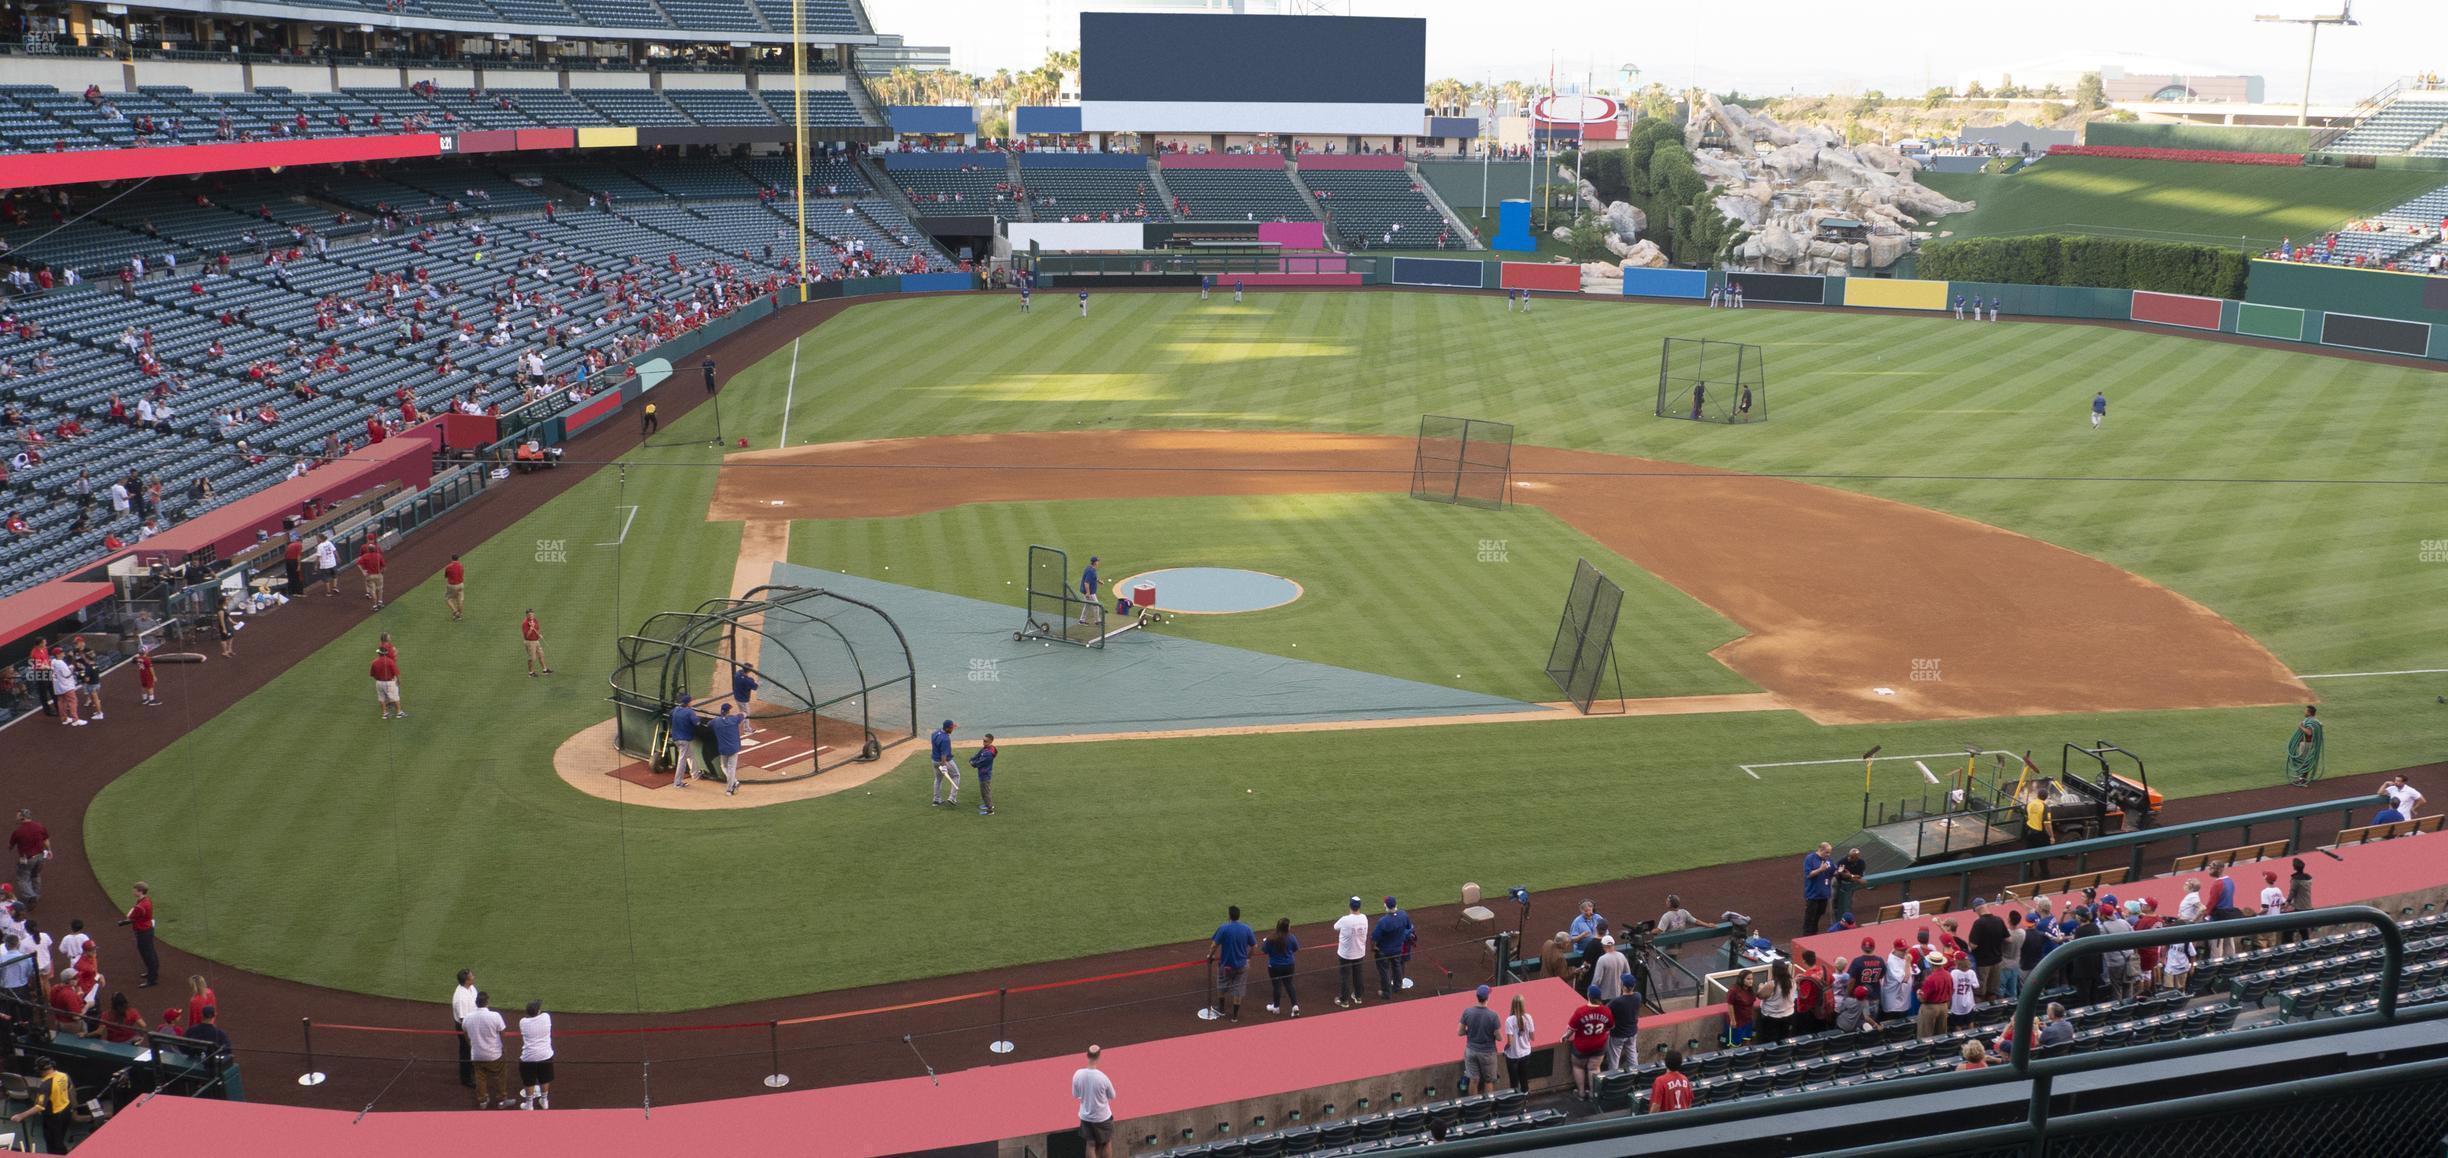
(1083, 303)
(2099, 409)
(1088, 589)
(1024, 297)
(1525, 302)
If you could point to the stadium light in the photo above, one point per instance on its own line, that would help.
(2345, 16)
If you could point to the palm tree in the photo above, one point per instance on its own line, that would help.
(1512, 91)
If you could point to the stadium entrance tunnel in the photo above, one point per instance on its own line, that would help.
(1207, 590)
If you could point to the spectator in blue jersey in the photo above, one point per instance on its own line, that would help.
(1280, 946)
(939, 749)
(726, 728)
(1818, 885)
(983, 762)
(744, 687)
(1392, 939)
(1228, 950)
(1088, 586)
(683, 740)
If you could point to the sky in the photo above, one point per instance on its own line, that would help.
(1806, 46)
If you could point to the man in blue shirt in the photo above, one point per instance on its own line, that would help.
(1024, 297)
(1818, 884)
(1083, 303)
(744, 687)
(1088, 589)
(939, 749)
(2388, 815)
(1206, 283)
(2099, 409)
(1586, 929)
(683, 740)
(726, 728)
(1228, 950)
(1393, 943)
(984, 763)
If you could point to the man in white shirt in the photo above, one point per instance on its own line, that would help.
(119, 498)
(1351, 947)
(2408, 798)
(73, 945)
(64, 686)
(327, 564)
(535, 1058)
(1095, 1092)
(483, 1030)
(463, 1002)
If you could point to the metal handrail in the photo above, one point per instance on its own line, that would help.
(2038, 1072)
(2134, 839)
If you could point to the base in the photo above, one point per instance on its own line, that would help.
(1208, 1013)
(312, 1078)
(1000, 1047)
(776, 1081)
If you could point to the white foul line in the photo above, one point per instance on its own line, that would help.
(624, 531)
(1747, 768)
(789, 386)
(2348, 675)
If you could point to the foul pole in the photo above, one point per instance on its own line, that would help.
(799, 132)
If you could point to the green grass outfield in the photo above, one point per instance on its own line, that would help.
(313, 841)
(2252, 205)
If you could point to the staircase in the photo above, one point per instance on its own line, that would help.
(1453, 220)
(1156, 181)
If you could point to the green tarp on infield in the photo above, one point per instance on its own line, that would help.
(971, 670)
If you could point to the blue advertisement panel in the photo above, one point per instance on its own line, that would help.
(1665, 283)
(1444, 271)
(927, 283)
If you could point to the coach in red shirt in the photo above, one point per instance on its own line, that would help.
(370, 563)
(385, 671)
(454, 586)
(140, 918)
(293, 559)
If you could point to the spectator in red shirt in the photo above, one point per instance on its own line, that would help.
(1588, 1028)
(140, 919)
(385, 671)
(1742, 1007)
(370, 563)
(32, 844)
(1672, 1090)
(122, 1024)
(199, 998)
(145, 680)
(533, 633)
(454, 589)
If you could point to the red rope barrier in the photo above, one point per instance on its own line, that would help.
(1109, 976)
(886, 1008)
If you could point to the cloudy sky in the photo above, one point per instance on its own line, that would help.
(1804, 45)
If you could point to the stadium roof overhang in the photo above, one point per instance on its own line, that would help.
(311, 14)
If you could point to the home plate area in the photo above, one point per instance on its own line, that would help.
(779, 749)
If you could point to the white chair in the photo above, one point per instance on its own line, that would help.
(1474, 915)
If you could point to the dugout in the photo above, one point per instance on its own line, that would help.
(834, 670)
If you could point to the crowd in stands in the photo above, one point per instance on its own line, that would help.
(257, 333)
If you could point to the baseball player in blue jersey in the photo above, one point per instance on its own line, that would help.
(2099, 410)
(683, 740)
(947, 770)
(1206, 282)
(1236, 291)
(1024, 297)
(1083, 303)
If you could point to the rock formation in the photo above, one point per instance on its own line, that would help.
(1781, 184)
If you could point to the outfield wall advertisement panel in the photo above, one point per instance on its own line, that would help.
(1666, 283)
(1893, 293)
(1556, 277)
(2185, 310)
(2284, 323)
(1792, 288)
(1440, 271)
(2379, 335)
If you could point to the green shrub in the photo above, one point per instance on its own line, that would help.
(2174, 267)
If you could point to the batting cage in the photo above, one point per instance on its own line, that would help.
(1058, 612)
(1704, 380)
(1582, 662)
(834, 671)
(1468, 461)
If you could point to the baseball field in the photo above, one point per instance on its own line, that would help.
(1930, 511)
(2253, 205)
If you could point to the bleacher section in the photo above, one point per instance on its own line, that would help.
(953, 184)
(2409, 120)
(1236, 195)
(1363, 206)
(2405, 235)
(455, 261)
(39, 118)
(1064, 194)
(825, 18)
